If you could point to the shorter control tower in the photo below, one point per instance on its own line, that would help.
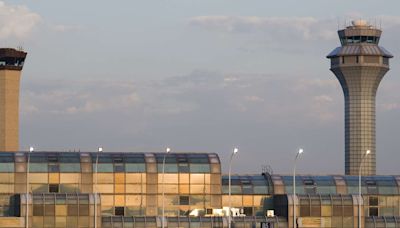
(11, 63)
(359, 65)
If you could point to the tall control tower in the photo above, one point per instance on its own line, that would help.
(359, 65)
(11, 63)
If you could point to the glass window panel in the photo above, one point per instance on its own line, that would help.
(199, 168)
(135, 200)
(168, 178)
(326, 211)
(105, 188)
(54, 167)
(69, 157)
(197, 189)
(169, 168)
(198, 158)
(7, 178)
(196, 178)
(104, 178)
(69, 188)
(135, 167)
(247, 200)
(119, 167)
(69, 178)
(169, 200)
(119, 200)
(260, 189)
(70, 167)
(38, 178)
(103, 167)
(183, 167)
(197, 200)
(183, 178)
(49, 209)
(86, 167)
(72, 210)
(215, 168)
(39, 188)
(6, 167)
(38, 168)
(259, 200)
(61, 210)
(134, 178)
(184, 189)
(120, 188)
(168, 188)
(107, 200)
(247, 189)
(38, 210)
(235, 189)
(236, 201)
(134, 188)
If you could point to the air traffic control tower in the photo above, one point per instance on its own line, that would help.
(11, 63)
(359, 65)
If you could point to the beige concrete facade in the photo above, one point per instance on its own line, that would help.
(9, 111)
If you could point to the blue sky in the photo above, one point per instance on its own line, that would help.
(196, 76)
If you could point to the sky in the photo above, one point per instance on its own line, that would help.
(197, 76)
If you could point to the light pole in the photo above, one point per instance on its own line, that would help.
(31, 149)
(359, 187)
(162, 182)
(235, 150)
(294, 186)
(100, 149)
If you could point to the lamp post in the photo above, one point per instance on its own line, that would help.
(162, 182)
(31, 149)
(294, 186)
(359, 187)
(235, 150)
(100, 149)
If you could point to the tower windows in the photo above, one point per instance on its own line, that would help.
(359, 39)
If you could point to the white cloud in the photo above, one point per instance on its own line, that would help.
(79, 97)
(66, 28)
(307, 28)
(323, 99)
(254, 98)
(390, 106)
(17, 21)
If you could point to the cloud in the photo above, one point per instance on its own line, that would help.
(323, 99)
(307, 28)
(390, 106)
(17, 21)
(201, 92)
(66, 28)
(76, 97)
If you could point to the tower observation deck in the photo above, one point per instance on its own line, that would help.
(360, 64)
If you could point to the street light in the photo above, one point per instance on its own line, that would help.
(235, 150)
(100, 149)
(162, 182)
(31, 149)
(294, 186)
(359, 187)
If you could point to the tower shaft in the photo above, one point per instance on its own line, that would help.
(11, 63)
(359, 86)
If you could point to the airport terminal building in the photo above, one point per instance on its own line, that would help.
(130, 189)
(103, 189)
